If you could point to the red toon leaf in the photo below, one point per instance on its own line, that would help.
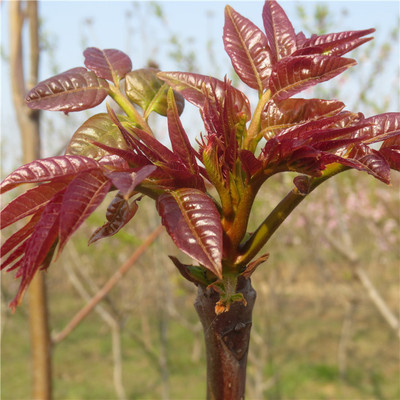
(48, 169)
(82, 196)
(279, 30)
(294, 74)
(74, 90)
(248, 49)
(29, 202)
(119, 213)
(193, 222)
(107, 62)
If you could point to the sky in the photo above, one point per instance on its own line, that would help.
(71, 26)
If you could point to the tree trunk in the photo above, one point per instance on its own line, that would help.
(227, 339)
(28, 121)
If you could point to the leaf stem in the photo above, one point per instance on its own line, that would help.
(253, 137)
(116, 94)
(249, 249)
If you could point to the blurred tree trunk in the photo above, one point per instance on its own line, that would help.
(28, 121)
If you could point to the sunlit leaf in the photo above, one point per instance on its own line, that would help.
(279, 30)
(74, 90)
(98, 128)
(107, 62)
(193, 222)
(195, 88)
(337, 44)
(390, 149)
(294, 74)
(283, 114)
(370, 161)
(48, 169)
(82, 196)
(145, 89)
(248, 50)
(380, 127)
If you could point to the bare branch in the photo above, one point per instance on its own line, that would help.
(80, 315)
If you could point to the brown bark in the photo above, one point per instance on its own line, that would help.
(227, 339)
(28, 121)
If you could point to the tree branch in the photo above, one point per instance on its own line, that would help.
(80, 315)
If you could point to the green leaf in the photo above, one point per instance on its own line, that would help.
(145, 89)
(98, 128)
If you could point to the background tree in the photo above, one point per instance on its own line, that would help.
(29, 124)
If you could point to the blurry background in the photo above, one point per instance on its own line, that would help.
(318, 331)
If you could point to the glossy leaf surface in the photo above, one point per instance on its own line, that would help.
(195, 88)
(98, 128)
(74, 90)
(283, 114)
(48, 169)
(279, 30)
(340, 43)
(193, 223)
(82, 196)
(390, 149)
(381, 127)
(107, 62)
(145, 89)
(294, 74)
(248, 50)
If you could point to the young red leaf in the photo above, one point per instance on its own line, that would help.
(29, 202)
(145, 89)
(74, 90)
(390, 149)
(193, 222)
(179, 139)
(294, 74)
(337, 44)
(151, 146)
(98, 128)
(119, 213)
(108, 62)
(283, 114)
(248, 49)
(82, 196)
(126, 182)
(195, 88)
(39, 244)
(380, 127)
(48, 169)
(19, 236)
(371, 161)
(279, 30)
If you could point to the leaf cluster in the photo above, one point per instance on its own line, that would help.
(238, 151)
